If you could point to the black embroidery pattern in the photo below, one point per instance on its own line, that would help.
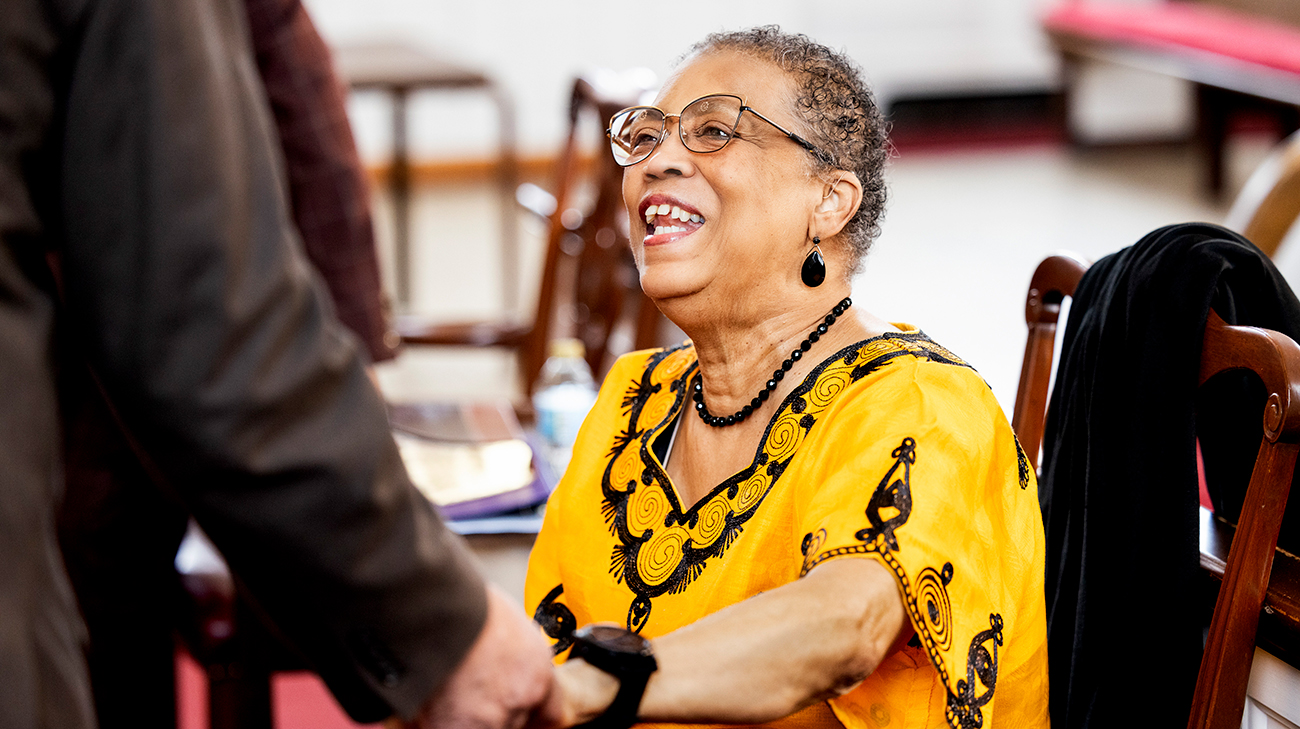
(1022, 464)
(556, 619)
(964, 707)
(879, 537)
(926, 598)
(661, 548)
(896, 495)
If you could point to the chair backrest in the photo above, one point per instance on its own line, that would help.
(1053, 280)
(588, 281)
(1269, 204)
(1230, 645)
(1225, 666)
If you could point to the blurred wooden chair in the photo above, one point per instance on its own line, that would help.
(588, 283)
(1260, 593)
(1269, 204)
(399, 69)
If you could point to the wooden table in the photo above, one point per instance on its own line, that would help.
(1230, 50)
(398, 69)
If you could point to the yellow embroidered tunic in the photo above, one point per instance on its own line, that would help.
(893, 449)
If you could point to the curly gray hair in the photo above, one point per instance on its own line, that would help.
(836, 108)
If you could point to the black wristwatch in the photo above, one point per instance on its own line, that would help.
(623, 655)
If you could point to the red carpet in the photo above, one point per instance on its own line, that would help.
(300, 700)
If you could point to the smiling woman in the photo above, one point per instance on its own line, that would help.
(845, 532)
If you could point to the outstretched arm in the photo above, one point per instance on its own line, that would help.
(766, 657)
(188, 292)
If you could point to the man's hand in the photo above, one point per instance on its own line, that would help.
(506, 681)
(585, 691)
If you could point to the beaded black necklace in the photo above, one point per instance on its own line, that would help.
(777, 375)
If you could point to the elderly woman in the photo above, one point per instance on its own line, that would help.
(805, 515)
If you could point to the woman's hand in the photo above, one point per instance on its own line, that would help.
(585, 691)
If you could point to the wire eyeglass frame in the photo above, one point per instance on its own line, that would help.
(625, 158)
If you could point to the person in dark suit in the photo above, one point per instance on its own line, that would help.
(137, 148)
(119, 530)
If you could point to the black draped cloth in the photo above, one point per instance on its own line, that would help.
(1119, 486)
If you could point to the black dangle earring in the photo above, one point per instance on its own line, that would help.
(814, 266)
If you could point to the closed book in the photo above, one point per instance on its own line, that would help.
(470, 459)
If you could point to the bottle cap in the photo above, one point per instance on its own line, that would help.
(567, 348)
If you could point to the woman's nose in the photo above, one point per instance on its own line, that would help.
(671, 158)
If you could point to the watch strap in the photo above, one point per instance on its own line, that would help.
(622, 711)
(633, 674)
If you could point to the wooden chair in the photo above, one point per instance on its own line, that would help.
(588, 283)
(1225, 666)
(1053, 280)
(1241, 557)
(1269, 204)
(399, 69)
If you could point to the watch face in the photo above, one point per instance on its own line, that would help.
(615, 638)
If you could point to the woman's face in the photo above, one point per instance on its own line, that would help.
(749, 204)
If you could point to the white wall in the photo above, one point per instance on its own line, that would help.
(940, 47)
(534, 48)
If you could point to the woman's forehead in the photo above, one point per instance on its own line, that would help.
(760, 83)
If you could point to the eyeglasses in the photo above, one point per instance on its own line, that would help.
(706, 125)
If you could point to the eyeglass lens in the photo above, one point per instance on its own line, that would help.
(705, 125)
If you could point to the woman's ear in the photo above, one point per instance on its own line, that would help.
(840, 200)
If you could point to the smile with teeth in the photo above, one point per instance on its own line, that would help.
(673, 213)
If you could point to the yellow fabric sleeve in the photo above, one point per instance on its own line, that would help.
(936, 489)
(544, 597)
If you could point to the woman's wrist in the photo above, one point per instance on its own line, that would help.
(588, 691)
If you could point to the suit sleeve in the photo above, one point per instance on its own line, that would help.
(186, 284)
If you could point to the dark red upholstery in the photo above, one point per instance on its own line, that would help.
(1183, 26)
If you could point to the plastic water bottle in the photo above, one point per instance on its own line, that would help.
(564, 393)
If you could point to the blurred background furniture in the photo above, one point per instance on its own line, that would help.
(589, 286)
(398, 70)
(1269, 204)
(1239, 54)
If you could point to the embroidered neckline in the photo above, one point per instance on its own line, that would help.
(662, 548)
(937, 352)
